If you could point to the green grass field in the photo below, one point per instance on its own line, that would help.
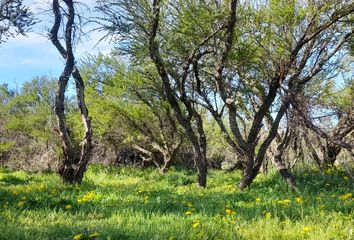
(128, 203)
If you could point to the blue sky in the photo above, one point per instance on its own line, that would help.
(25, 57)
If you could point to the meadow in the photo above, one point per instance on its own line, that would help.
(131, 203)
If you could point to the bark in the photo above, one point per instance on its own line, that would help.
(197, 138)
(284, 172)
(330, 155)
(279, 163)
(75, 161)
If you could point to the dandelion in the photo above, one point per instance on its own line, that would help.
(307, 229)
(299, 200)
(87, 197)
(93, 235)
(258, 199)
(78, 237)
(284, 202)
(196, 224)
(68, 206)
(346, 196)
(229, 212)
(188, 213)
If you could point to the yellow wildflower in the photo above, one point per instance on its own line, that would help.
(195, 224)
(284, 202)
(93, 235)
(307, 229)
(229, 212)
(78, 237)
(299, 200)
(87, 197)
(188, 213)
(258, 199)
(346, 196)
(68, 206)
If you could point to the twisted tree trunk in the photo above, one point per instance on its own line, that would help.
(75, 161)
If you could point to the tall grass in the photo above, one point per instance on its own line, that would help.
(129, 203)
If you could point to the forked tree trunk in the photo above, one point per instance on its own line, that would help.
(197, 137)
(248, 174)
(75, 160)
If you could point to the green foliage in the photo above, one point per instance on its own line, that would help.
(14, 19)
(27, 125)
(30, 112)
(128, 203)
(127, 107)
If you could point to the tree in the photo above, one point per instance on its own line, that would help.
(75, 159)
(329, 117)
(264, 65)
(139, 24)
(27, 123)
(14, 19)
(246, 62)
(145, 122)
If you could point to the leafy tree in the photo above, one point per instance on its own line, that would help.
(246, 63)
(28, 125)
(282, 47)
(139, 24)
(327, 114)
(14, 19)
(130, 111)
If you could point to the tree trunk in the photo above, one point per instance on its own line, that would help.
(248, 172)
(75, 161)
(330, 154)
(284, 172)
(201, 165)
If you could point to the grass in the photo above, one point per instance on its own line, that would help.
(129, 203)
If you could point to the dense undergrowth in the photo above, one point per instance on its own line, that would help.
(130, 203)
